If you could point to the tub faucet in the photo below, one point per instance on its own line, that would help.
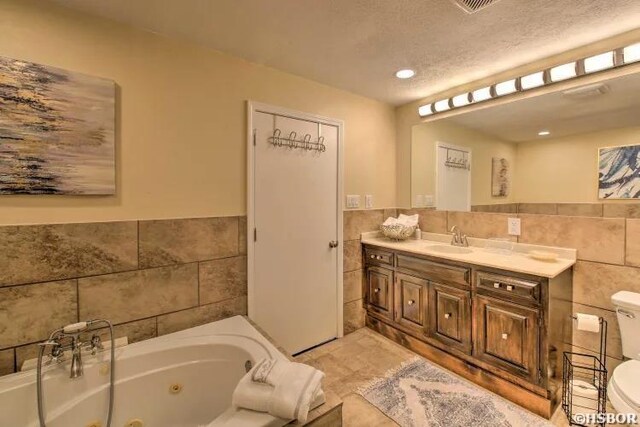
(68, 339)
(457, 238)
(76, 357)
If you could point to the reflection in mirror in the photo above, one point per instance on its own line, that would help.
(573, 146)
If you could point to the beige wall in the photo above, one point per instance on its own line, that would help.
(565, 169)
(407, 115)
(181, 119)
(483, 149)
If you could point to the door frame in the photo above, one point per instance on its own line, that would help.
(440, 144)
(255, 107)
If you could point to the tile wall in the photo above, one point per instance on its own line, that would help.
(148, 277)
(156, 277)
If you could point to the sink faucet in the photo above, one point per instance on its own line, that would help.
(457, 238)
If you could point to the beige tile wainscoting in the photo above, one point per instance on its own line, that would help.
(148, 277)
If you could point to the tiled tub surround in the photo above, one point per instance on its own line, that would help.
(149, 277)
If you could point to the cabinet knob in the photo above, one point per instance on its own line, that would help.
(379, 257)
(373, 257)
(411, 302)
(447, 315)
(509, 287)
(505, 336)
(376, 290)
(496, 285)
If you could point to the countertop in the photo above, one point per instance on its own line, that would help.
(517, 261)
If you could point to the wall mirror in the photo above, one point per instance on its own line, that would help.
(580, 145)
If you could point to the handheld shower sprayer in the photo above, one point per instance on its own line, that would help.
(71, 334)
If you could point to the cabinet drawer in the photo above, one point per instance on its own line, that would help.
(379, 290)
(411, 301)
(435, 271)
(507, 336)
(510, 287)
(450, 311)
(378, 257)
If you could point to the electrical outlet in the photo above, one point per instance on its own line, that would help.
(353, 202)
(428, 200)
(514, 226)
(368, 201)
(419, 201)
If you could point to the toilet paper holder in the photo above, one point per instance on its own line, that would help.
(584, 379)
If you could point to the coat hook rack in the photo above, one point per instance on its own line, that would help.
(458, 161)
(292, 141)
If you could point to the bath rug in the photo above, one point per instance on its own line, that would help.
(419, 394)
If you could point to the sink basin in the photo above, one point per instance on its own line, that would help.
(448, 249)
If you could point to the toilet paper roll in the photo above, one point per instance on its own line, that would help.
(588, 322)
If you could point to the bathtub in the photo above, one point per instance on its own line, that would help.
(184, 379)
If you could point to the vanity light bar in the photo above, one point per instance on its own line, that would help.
(592, 64)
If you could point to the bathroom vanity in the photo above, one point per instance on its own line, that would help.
(499, 320)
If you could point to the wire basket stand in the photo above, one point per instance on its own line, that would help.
(584, 383)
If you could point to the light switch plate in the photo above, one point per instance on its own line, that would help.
(514, 226)
(353, 201)
(368, 201)
(428, 200)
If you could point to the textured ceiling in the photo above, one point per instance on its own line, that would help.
(562, 115)
(358, 45)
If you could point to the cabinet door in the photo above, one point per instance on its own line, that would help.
(450, 312)
(379, 290)
(411, 301)
(507, 336)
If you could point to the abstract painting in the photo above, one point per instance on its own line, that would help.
(619, 172)
(57, 131)
(500, 181)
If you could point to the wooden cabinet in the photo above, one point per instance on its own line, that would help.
(379, 290)
(450, 316)
(411, 301)
(500, 329)
(507, 336)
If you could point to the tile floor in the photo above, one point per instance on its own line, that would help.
(355, 360)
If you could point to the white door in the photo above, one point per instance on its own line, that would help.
(453, 181)
(296, 271)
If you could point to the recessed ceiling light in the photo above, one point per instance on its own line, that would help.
(405, 74)
(544, 133)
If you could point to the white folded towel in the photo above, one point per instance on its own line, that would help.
(283, 389)
(406, 220)
(297, 387)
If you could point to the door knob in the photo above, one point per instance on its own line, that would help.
(411, 302)
(447, 315)
(333, 244)
(376, 290)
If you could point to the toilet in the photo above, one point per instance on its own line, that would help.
(624, 385)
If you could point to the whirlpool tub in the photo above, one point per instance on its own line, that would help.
(184, 379)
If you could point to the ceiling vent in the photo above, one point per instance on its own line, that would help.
(472, 6)
(585, 92)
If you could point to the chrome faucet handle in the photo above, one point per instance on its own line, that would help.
(455, 235)
(464, 241)
(96, 344)
(57, 352)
